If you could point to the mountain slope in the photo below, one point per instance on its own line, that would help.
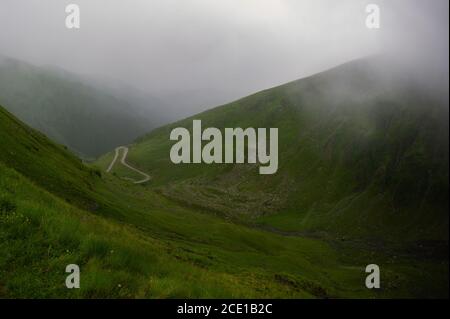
(88, 119)
(130, 241)
(45, 163)
(137, 244)
(363, 152)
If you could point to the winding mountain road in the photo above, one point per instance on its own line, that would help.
(124, 163)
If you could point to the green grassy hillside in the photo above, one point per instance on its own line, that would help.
(133, 242)
(49, 165)
(88, 119)
(226, 231)
(362, 154)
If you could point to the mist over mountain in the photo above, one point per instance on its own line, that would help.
(362, 148)
(88, 117)
(196, 54)
(361, 115)
(363, 177)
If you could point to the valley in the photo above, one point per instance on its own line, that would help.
(345, 159)
(362, 179)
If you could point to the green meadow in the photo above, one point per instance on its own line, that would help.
(363, 179)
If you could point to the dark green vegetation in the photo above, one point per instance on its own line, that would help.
(362, 155)
(130, 242)
(86, 118)
(225, 231)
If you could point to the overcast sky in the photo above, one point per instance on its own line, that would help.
(226, 47)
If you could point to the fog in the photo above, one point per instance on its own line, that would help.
(196, 54)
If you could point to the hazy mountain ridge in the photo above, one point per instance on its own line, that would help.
(71, 110)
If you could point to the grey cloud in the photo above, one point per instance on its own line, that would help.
(202, 52)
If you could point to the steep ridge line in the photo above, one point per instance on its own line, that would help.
(124, 163)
